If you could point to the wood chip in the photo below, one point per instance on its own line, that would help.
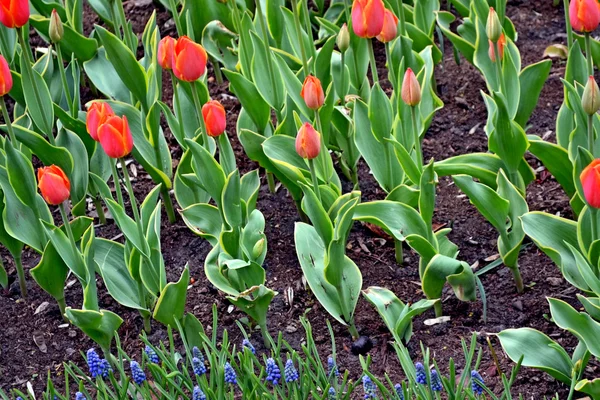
(435, 321)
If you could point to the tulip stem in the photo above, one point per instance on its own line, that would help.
(347, 7)
(205, 139)
(296, 12)
(374, 73)
(99, 210)
(343, 83)
(21, 275)
(594, 218)
(67, 225)
(117, 182)
(588, 54)
(590, 129)
(322, 156)
(437, 307)
(168, 204)
(63, 78)
(498, 64)
(121, 16)
(62, 306)
(270, 181)
(402, 18)
(391, 73)
(353, 330)
(315, 180)
(399, 252)
(132, 200)
(263, 25)
(517, 277)
(175, 13)
(177, 108)
(417, 138)
(569, 28)
(9, 127)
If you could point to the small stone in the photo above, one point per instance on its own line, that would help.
(41, 308)
(291, 328)
(554, 281)
(518, 305)
(362, 345)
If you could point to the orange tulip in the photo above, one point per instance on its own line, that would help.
(97, 115)
(214, 118)
(312, 92)
(54, 184)
(501, 46)
(390, 27)
(14, 13)
(115, 137)
(308, 142)
(584, 15)
(189, 59)
(367, 17)
(6, 81)
(590, 180)
(165, 52)
(411, 89)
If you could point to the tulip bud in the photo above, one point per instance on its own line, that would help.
(215, 119)
(189, 60)
(411, 89)
(115, 137)
(14, 13)
(258, 248)
(308, 142)
(97, 115)
(590, 181)
(56, 29)
(54, 184)
(493, 27)
(367, 18)
(165, 52)
(343, 39)
(6, 81)
(501, 45)
(312, 92)
(590, 101)
(390, 27)
(584, 15)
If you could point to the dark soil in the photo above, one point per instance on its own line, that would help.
(33, 344)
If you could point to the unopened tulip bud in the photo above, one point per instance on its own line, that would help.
(343, 39)
(6, 81)
(56, 30)
(501, 45)
(308, 142)
(590, 181)
(189, 59)
(54, 184)
(493, 27)
(312, 92)
(411, 89)
(164, 55)
(215, 118)
(590, 100)
(584, 15)
(258, 248)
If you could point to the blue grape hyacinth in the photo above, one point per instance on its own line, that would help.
(246, 343)
(369, 388)
(331, 395)
(399, 391)
(230, 376)
(94, 363)
(137, 373)
(273, 372)
(290, 372)
(421, 374)
(198, 394)
(477, 383)
(79, 396)
(196, 353)
(436, 382)
(332, 368)
(105, 368)
(152, 356)
(198, 366)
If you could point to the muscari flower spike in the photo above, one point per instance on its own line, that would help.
(79, 396)
(230, 376)
(137, 373)
(332, 367)
(198, 394)
(105, 368)
(196, 353)
(152, 356)
(273, 372)
(399, 392)
(198, 366)
(331, 395)
(290, 372)
(436, 382)
(94, 363)
(477, 383)
(246, 343)
(369, 388)
(421, 374)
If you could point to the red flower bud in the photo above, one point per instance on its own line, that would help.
(501, 46)
(584, 15)
(14, 13)
(97, 115)
(367, 17)
(590, 180)
(390, 27)
(189, 60)
(6, 81)
(165, 52)
(54, 184)
(115, 137)
(214, 118)
(308, 142)
(312, 92)
(411, 89)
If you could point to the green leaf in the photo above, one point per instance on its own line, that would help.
(20, 175)
(128, 226)
(100, 326)
(579, 324)
(556, 159)
(398, 219)
(51, 273)
(458, 274)
(252, 101)
(208, 171)
(171, 303)
(493, 207)
(72, 42)
(104, 76)
(37, 98)
(532, 79)
(483, 166)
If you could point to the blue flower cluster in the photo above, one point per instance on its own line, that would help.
(477, 383)
(399, 391)
(332, 368)
(421, 374)
(369, 388)
(230, 376)
(198, 366)
(196, 353)
(198, 394)
(290, 372)
(79, 396)
(98, 367)
(331, 395)
(152, 356)
(246, 343)
(436, 382)
(137, 373)
(273, 372)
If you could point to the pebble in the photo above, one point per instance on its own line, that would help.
(554, 281)
(518, 305)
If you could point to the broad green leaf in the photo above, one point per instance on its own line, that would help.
(51, 273)
(100, 326)
(72, 42)
(457, 273)
(38, 99)
(579, 324)
(171, 303)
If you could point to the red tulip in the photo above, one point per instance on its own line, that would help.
(214, 118)
(189, 60)
(312, 92)
(165, 52)
(14, 13)
(115, 137)
(584, 15)
(411, 89)
(6, 81)
(590, 180)
(97, 115)
(54, 184)
(501, 46)
(367, 17)
(390, 27)
(308, 142)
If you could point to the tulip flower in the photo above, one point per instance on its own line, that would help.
(214, 118)
(390, 27)
(493, 26)
(189, 60)
(165, 52)
(14, 13)
(308, 142)
(312, 92)
(501, 46)
(367, 18)
(54, 184)
(411, 89)
(115, 137)
(590, 181)
(584, 15)
(97, 115)
(6, 81)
